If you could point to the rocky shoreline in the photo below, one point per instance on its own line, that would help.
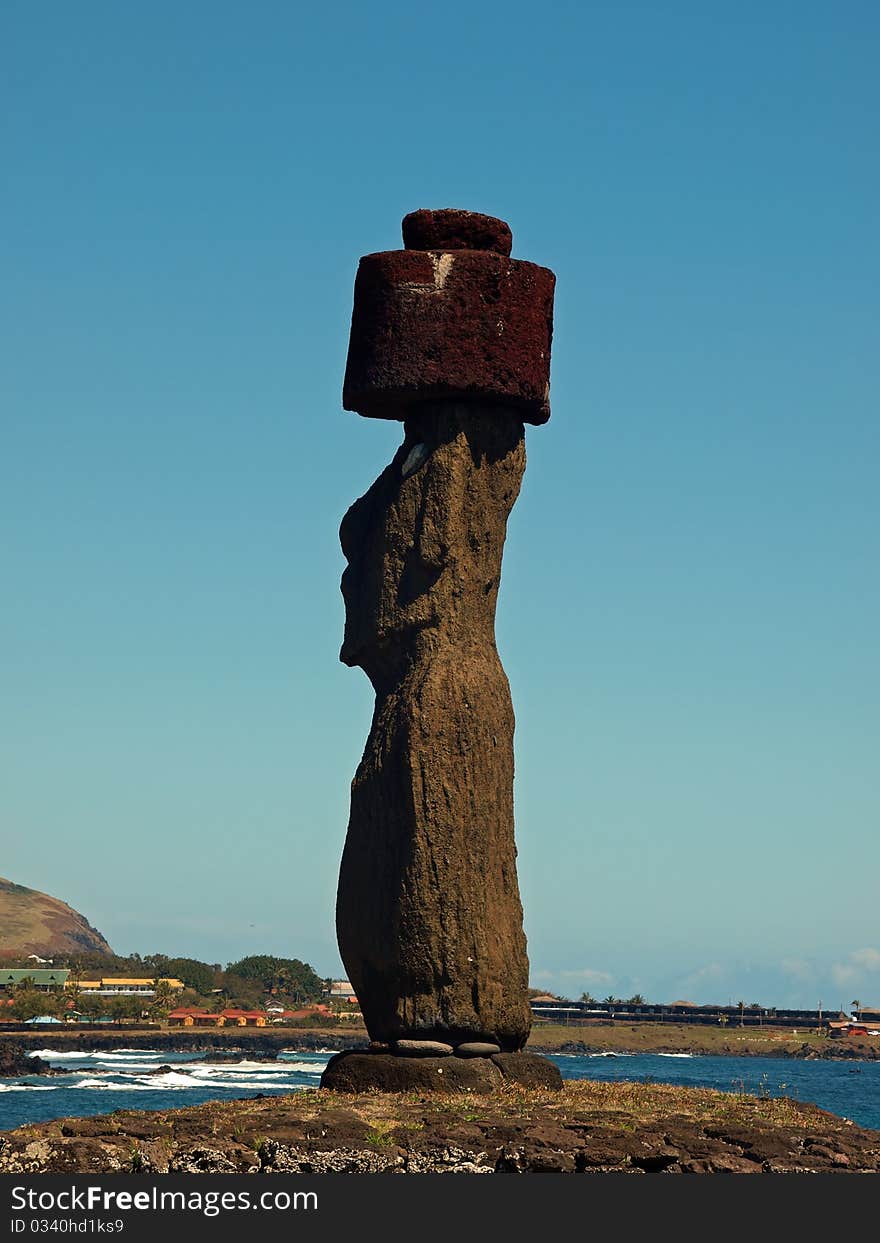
(588, 1128)
(270, 1043)
(15, 1060)
(831, 1050)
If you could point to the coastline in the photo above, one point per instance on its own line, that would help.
(620, 1038)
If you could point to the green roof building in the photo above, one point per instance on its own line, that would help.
(45, 978)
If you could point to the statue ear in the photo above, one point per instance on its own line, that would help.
(416, 457)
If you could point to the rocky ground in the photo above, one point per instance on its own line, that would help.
(585, 1128)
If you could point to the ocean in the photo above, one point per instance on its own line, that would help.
(99, 1082)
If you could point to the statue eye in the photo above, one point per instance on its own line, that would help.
(416, 457)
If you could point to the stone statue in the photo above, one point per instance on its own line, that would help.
(452, 337)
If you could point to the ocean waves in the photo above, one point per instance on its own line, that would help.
(83, 1078)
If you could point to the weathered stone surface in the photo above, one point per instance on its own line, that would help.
(429, 919)
(361, 1072)
(529, 1069)
(585, 1128)
(450, 324)
(422, 1048)
(451, 229)
(477, 1048)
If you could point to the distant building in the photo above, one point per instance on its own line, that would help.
(341, 990)
(209, 1018)
(280, 1015)
(243, 1018)
(123, 986)
(195, 1018)
(47, 980)
(846, 1027)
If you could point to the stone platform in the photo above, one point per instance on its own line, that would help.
(354, 1070)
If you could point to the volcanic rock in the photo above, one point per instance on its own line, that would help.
(15, 1060)
(529, 1069)
(359, 1072)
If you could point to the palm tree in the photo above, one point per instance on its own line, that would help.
(857, 1006)
(742, 1006)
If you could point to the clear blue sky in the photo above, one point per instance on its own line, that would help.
(689, 610)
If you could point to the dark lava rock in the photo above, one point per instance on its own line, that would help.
(465, 324)
(360, 1072)
(452, 229)
(529, 1069)
(418, 1132)
(15, 1060)
(426, 328)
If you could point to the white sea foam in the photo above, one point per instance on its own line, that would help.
(122, 1068)
(124, 1055)
(58, 1055)
(304, 1068)
(675, 1055)
(226, 1068)
(171, 1082)
(28, 1087)
(299, 1052)
(141, 1052)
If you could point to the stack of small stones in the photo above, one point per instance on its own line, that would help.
(450, 336)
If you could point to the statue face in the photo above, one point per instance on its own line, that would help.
(424, 544)
(385, 585)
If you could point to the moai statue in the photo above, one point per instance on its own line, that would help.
(451, 337)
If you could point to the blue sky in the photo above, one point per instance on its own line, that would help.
(689, 607)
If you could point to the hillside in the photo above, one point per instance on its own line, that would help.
(34, 923)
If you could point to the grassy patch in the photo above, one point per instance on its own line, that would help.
(675, 1038)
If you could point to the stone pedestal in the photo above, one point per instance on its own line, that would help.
(355, 1071)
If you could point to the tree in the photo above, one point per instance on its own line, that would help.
(91, 1005)
(29, 1003)
(72, 988)
(124, 1007)
(200, 976)
(163, 997)
(267, 974)
(636, 1000)
(588, 999)
(857, 1006)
